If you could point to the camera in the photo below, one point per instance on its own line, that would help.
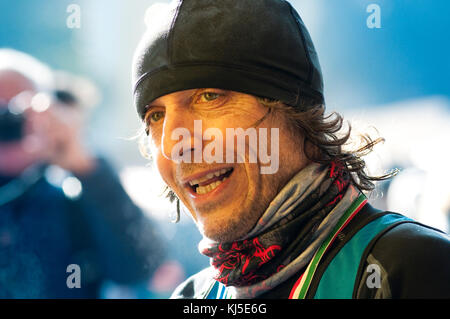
(11, 125)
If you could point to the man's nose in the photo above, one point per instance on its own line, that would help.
(180, 137)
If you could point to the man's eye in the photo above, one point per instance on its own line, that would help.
(209, 96)
(156, 116)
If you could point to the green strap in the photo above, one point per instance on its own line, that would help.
(339, 278)
(301, 287)
(218, 290)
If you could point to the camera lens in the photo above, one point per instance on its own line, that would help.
(11, 125)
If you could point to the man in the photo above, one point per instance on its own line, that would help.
(60, 205)
(303, 230)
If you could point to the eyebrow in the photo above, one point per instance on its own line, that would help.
(189, 98)
(148, 107)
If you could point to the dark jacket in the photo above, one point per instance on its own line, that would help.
(103, 231)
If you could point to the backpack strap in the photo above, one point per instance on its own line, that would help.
(340, 277)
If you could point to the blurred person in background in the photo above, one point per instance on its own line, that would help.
(61, 205)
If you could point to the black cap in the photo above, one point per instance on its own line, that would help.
(258, 47)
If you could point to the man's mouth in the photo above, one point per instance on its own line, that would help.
(209, 182)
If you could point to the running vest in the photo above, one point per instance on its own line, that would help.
(340, 278)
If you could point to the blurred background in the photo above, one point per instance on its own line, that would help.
(391, 79)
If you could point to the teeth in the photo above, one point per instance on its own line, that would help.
(209, 176)
(194, 182)
(207, 188)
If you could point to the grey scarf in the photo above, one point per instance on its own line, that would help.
(287, 234)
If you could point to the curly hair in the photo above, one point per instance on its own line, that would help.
(324, 139)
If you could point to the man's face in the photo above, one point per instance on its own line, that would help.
(225, 198)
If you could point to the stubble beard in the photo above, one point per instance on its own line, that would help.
(243, 220)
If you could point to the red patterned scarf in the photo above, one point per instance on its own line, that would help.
(280, 237)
